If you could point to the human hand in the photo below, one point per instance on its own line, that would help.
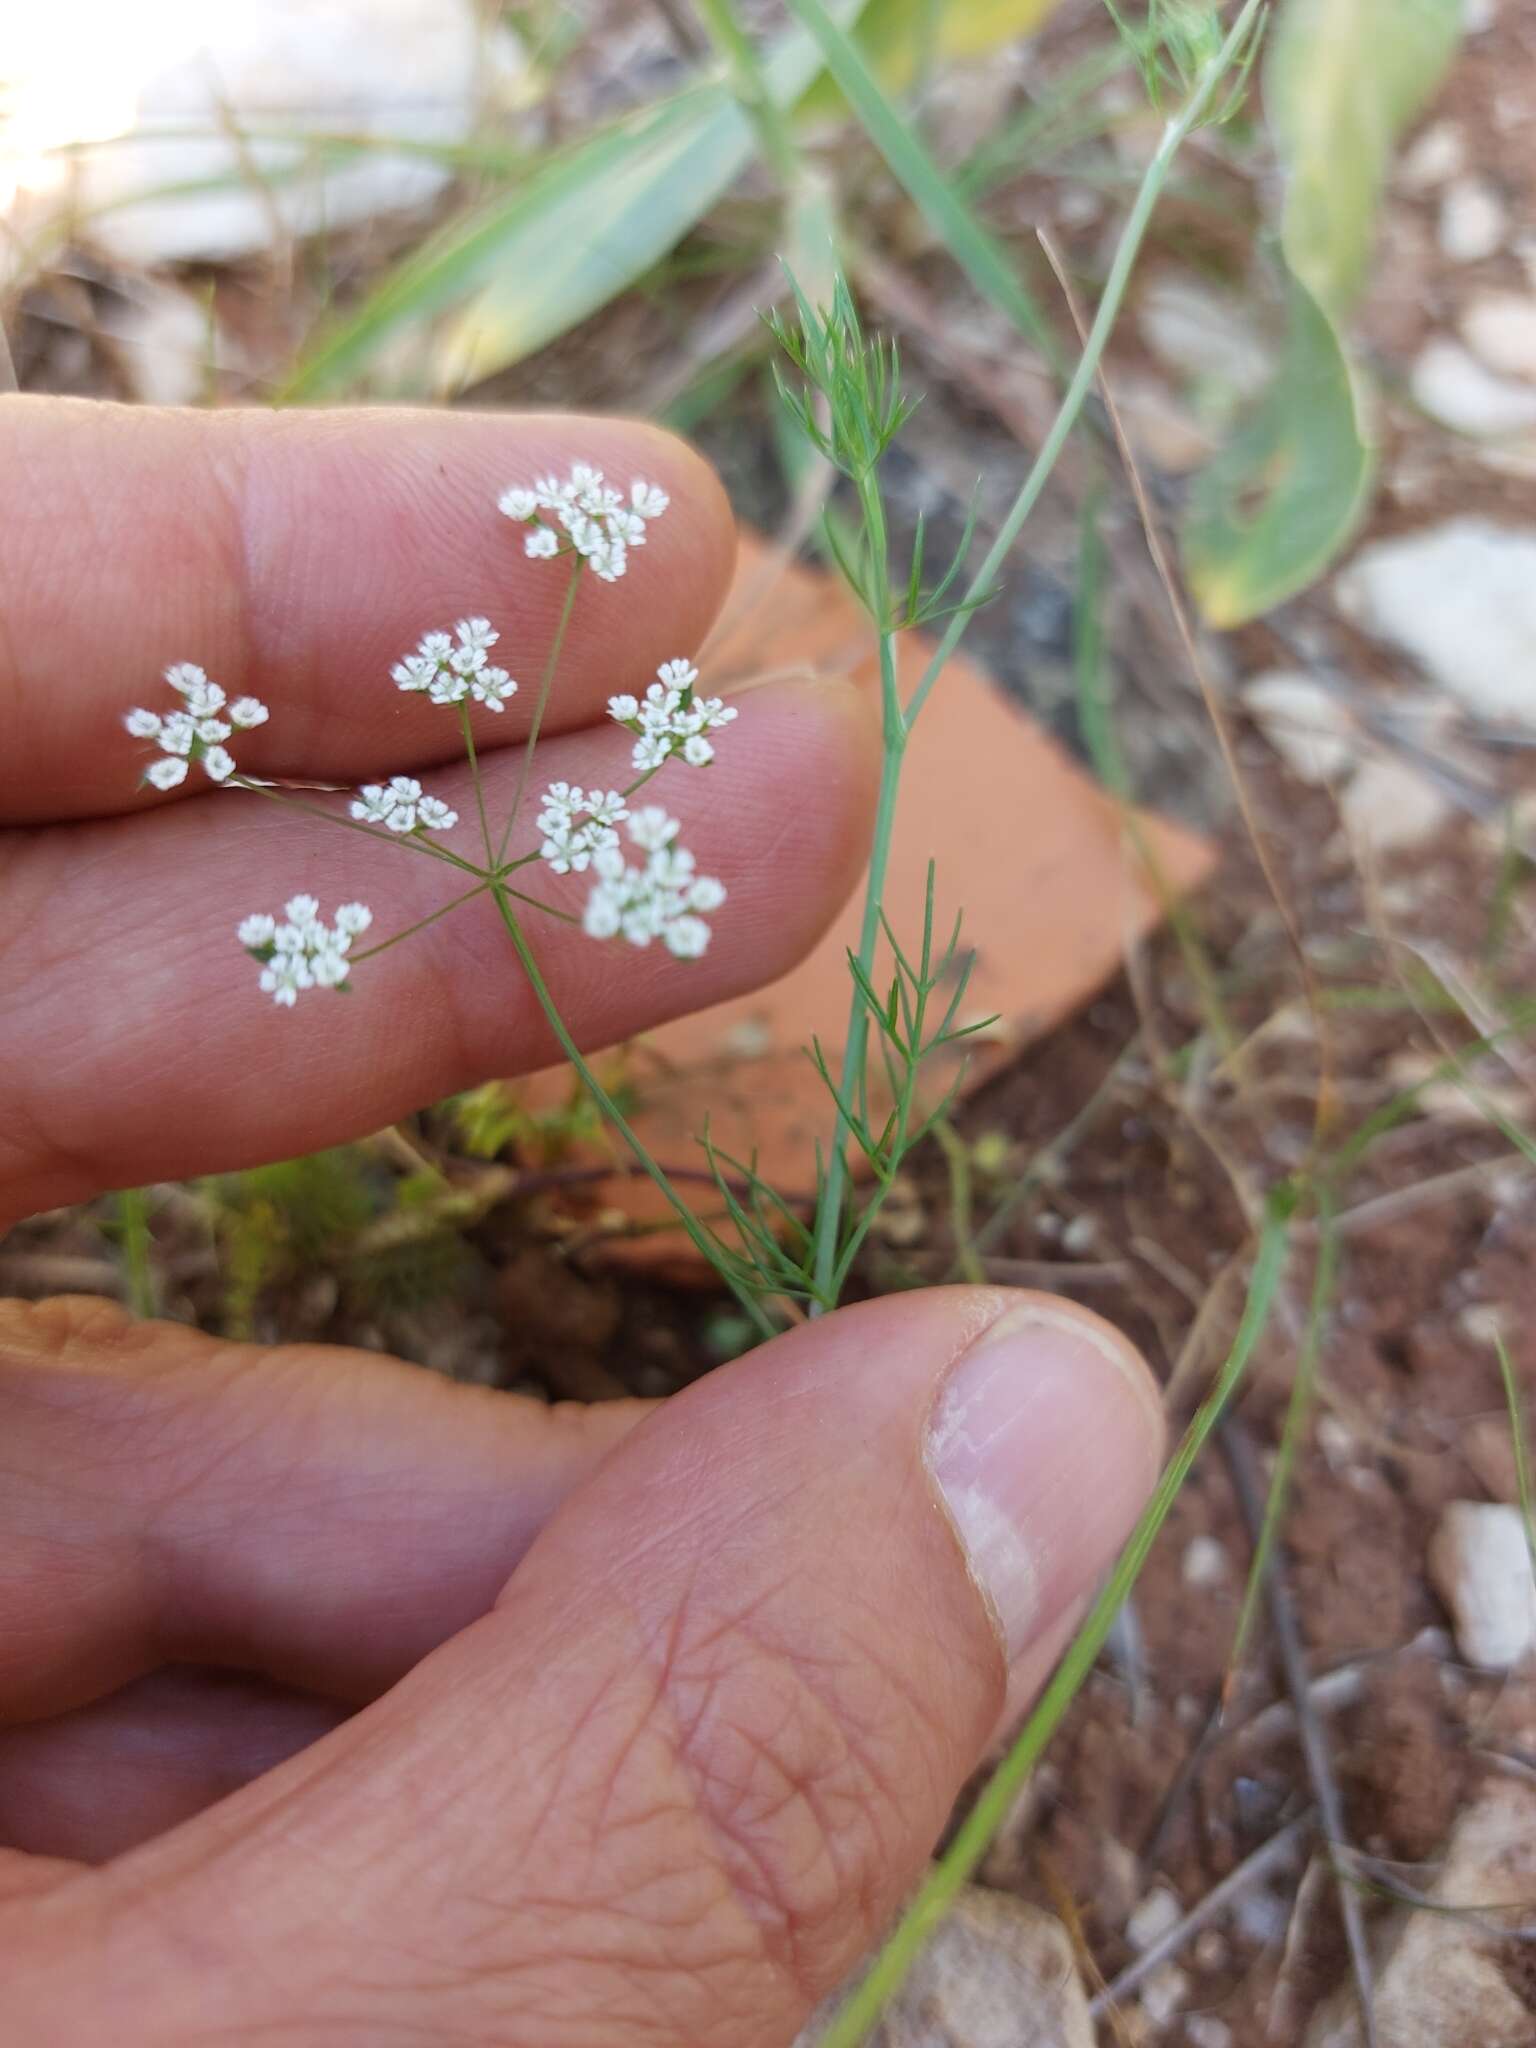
(340, 1704)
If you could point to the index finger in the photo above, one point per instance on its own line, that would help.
(296, 557)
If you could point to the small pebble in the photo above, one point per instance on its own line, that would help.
(1205, 1562)
(1164, 1992)
(1480, 1565)
(1473, 221)
(1205, 2030)
(1157, 1914)
(1438, 155)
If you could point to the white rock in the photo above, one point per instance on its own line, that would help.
(1308, 726)
(1441, 1982)
(1390, 805)
(1205, 1563)
(1461, 599)
(1163, 1994)
(1480, 1565)
(1500, 328)
(1435, 157)
(166, 341)
(1205, 2030)
(416, 69)
(996, 1973)
(1473, 221)
(1460, 392)
(1155, 1915)
(1262, 1916)
(1204, 334)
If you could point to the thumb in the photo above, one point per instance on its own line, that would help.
(675, 1784)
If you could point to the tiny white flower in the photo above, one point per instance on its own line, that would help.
(204, 699)
(623, 708)
(677, 675)
(353, 918)
(651, 751)
(219, 763)
(372, 805)
(248, 711)
(329, 967)
(477, 633)
(687, 937)
(144, 725)
(282, 979)
(492, 687)
(185, 676)
(603, 914)
(166, 772)
(697, 752)
(628, 527)
(213, 731)
(518, 503)
(652, 829)
(649, 500)
(302, 910)
(413, 673)
(257, 930)
(435, 815)
(606, 807)
(706, 893)
(449, 687)
(542, 543)
(177, 732)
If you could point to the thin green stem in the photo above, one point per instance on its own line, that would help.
(541, 705)
(861, 2014)
(309, 810)
(491, 855)
(132, 1207)
(422, 923)
(1175, 135)
(749, 84)
(697, 1233)
(829, 1210)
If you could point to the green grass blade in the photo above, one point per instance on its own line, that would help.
(973, 246)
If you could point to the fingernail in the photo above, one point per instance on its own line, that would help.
(1045, 1442)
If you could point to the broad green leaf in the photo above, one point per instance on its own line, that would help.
(580, 230)
(1343, 80)
(1281, 499)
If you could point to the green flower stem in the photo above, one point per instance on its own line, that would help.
(829, 1210)
(422, 923)
(853, 2024)
(541, 705)
(400, 839)
(697, 1233)
(1175, 135)
(750, 86)
(491, 856)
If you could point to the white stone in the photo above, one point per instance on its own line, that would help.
(1308, 726)
(1205, 2030)
(166, 342)
(1204, 334)
(1155, 1915)
(1441, 1980)
(1435, 157)
(1480, 1565)
(1461, 599)
(995, 1973)
(1473, 221)
(416, 69)
(1205, 1563)
(1460, 392)
(1163, 1994)
(1389, 806)
(1500, 328)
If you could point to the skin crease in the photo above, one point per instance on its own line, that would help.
(340, 1703)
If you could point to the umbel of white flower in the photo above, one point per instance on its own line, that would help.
(298, 952)
(449, 673)
(195, 732)
(662, 900)
(670, 721)
(401, 806)
(584, 516)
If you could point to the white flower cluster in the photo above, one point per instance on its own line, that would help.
(670, 720)
(450, 673)
(662, 900)
(401, 806)
(577, 824)
(298, 952)
(597, 521)
(196, 730)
